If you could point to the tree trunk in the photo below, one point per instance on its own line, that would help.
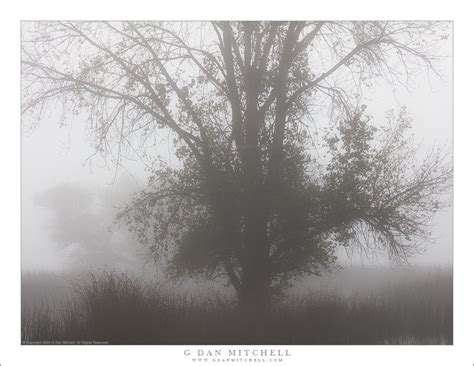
(255, 291)
(255, 295)
(255, 281)
(254, 309)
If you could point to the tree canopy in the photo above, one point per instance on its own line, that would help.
(248, 199)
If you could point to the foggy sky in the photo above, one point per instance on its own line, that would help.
(53, 155)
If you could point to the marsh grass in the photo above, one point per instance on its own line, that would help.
(120, 309)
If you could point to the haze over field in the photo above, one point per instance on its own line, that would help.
(244, 182)
(54, 155)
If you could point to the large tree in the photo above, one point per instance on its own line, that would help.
(248, 199)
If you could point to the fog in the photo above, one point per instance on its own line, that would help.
(236, 183)
(55, 157)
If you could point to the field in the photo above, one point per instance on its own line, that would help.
(356, 306)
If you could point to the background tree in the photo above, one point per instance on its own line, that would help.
(82, 225)
(247, 199)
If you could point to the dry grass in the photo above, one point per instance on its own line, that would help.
(119, 309)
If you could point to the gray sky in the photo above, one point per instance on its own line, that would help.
(52, 155)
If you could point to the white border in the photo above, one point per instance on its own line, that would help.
(11, 353)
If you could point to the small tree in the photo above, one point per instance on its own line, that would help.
(248, 200)
(81, 225)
